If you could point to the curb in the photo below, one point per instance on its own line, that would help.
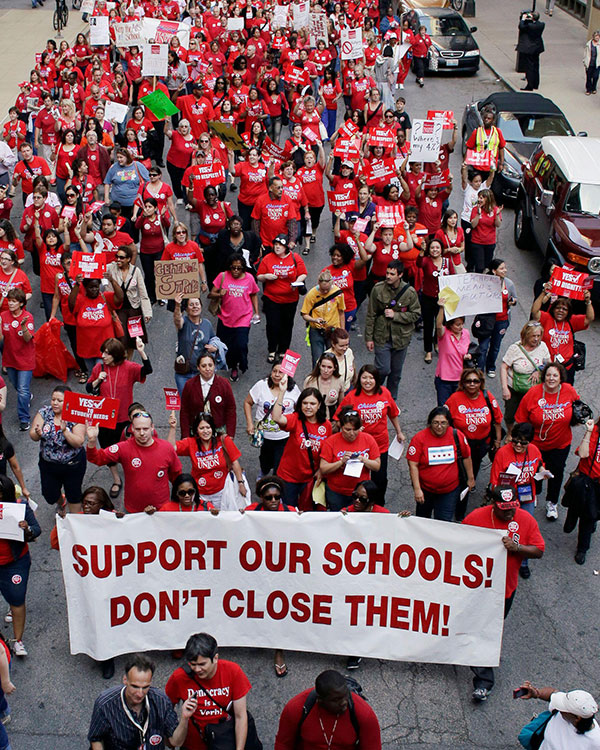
(498, 75)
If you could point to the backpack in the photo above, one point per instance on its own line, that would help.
(354, 687)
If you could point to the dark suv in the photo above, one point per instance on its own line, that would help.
(558, 203)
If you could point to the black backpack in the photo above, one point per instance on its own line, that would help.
(483, 325)
(354, 687)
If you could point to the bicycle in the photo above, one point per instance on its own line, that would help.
(60, 19)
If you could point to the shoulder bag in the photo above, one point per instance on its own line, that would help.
(214, 306)
(521, 380)
(118, 331)
(579, 353)
(183, 368)
(532, 734)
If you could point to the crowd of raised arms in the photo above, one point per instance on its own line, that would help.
(315, 170)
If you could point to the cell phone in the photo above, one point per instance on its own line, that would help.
(519, 692)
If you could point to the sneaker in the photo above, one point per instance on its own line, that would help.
(5, 718)
(491, 373)
(580, 558)
(24, 426)
(8, 615)
(353, 662)
(19, 649)
(400, 85)
(235, 375)
(180, 201)
(551, 511)
(525, 572)
(480, 694)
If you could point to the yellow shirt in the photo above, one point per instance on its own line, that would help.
(330, 311)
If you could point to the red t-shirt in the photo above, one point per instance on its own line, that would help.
(550, 414)
(151, 234)
(253, 181)
(591, 465)
(383, 255)
(523, 529)
(485, 231)
(436, 459)
(213, 218)
(147, 471)
(447, 243)
(209, 468)
(472, 416)
(94, 323)
(110, 245)
(374, 509)
(430, 212)
(273, 216)
(49, 268)
(17, 353)
(295, 462)
(334, 448)
(287, 269)
(558, 337)
(181, 150)
(30, 170)
(528, 464)
(229, 684)
(312, 180)
(190, 250)
(343, 278)
(349, 239)
(374, 411)
(119, 383)
(20, 281)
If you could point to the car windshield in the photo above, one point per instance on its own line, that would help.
(524, 127)
(452, 25)
(583, 198)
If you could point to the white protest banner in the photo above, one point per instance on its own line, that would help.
(99, 34)
(235, 23)
(301, 15)
(280, 16)
(425, 140)
(115, 111)
(87, 7)
(11, 514)
(130, 34)
(154, 29)
(155, 59)
(318, 29)
(370, 585)
(351, 43)
(403, 49)
(470, 294)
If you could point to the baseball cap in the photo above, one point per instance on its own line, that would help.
(578, 702)
(347, 163)
(197, 85)
(506, 499)
(282, 239)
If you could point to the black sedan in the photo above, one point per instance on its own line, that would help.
(524, 119)
(453, 48)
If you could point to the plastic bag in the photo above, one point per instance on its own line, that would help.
(232, 498)
(51, 355)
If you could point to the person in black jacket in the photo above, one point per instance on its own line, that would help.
(232, 240)
(530, 46)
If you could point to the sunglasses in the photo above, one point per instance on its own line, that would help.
(360, 498)
(516, 441)
(472, 381)
(141, 414)
(180, 231)
(185, 493)
(272, 497)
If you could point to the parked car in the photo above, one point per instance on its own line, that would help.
(524, 119)
(558, 204)
(453, 47)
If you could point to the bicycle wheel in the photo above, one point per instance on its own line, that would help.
(65, 14)
(57, 21)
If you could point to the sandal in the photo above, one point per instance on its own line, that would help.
(428, 358)
(82, 377)
(281, 670)
(115, 493)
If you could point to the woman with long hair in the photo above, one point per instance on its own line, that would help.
(486, 218)
(326, 378)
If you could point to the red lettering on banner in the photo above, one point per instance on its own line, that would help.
(252, 556)
(404, 549)
(430, 552)
(398, 613)
(448, 577)
(278, 606)
(474, 577)
(376, 557)
(145, 606)
(81, 566)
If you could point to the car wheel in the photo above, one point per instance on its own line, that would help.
(522, 230)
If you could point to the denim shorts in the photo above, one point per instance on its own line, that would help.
(13, 580)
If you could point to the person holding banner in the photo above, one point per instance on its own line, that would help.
(453, 353)
(185, 497)
(489, 346)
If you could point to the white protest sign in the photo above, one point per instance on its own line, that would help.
(129, 34)
(351, 44)
(154, 27)
(235, 23)
(115, 111)
(381, 586)
(470, 294)
(155, 60)
(99, 35)
(425, 140)
(318, 29)
(87, 7)
(11, 514)
(301, 15)
(403, 49)
(280, 16)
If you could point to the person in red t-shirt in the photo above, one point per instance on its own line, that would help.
(523, 540)
(364, 500)
(196, 109)
(185, 497)
(327, 718)
(548, 406)
(206, 675)
(486, 218)
(274, 214)
(349, 446)
(420, 49)
(433, 466)
(28, 168)
(148, 463)
(18, 356)
(311, 176)
(253, 183)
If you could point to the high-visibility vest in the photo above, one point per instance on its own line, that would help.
(483, 142)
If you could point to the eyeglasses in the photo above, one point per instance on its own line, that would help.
(517, 441)
(350, 413)
(184, 493)
(472, 381)
(388, 117)
(203, 140)
(236, 268)
(440, 424)
(122, 257)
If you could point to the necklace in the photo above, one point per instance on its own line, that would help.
(328, 741)
(112, 387)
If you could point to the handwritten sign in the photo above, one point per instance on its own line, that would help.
(175, 277)
(425, 140)
(235, 23)
(172, 399)
(470, 294)
(289, 363)
(280, 16)
(318, 29)
(97, 410)
(129, 34)
(351, 42)
(89, 265)
(155, 60)
(569, 283)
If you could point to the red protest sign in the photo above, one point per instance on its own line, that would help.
(342, 201)
(296, 76)
(378, 170)
(442, 114)
(480, 159)
(83, 409)
(289, 363)
(347, 130)
(208, 174)
(89, 265)
(95, 206)
(381, 137)
(438, 180)
(347, 149)
(273, 150)
(69, 212)
(390, 216)
(172, 399)
(134, 326)
(566, 283)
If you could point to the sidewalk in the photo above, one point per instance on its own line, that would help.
(25, 32)
(562, 75)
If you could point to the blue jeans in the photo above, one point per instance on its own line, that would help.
(444, 389)
(390, 362)
(90, 362)
(181, 380)
(489, 347)
(292, 492)
(335, 501)
(236, 340)
(21, 381)
(440, 505)
(318, 343)
(328, 118)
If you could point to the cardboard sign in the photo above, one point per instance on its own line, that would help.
(382, 137)
(115, 111)
(134, 326)
(159, 104)
(425, 140)
(480, 159)
(11, 514)
(318, 29)
(289, 363)
(378, 170)
(89, 265)
(345, 202)
(228, 134)
(155, 60)
(470, 294)
(87, 7)
(390, 216)
(99, 34)
(97, 410)
(175, 277)
(129, 34)
(172, 399)
(567, 283)
(235, 23)
(351, 44)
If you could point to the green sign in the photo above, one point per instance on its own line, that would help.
(159, 104)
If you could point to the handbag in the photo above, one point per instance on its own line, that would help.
(258, 436)
(462, 472)
(232, 498)
(483, 325)
(581, 412)
(521, 380)
(183, 368)
(214, 306)
(118, 331)
(579, 352)
(532, 734)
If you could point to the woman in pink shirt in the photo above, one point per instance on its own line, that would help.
(238, 292)
(453, 348)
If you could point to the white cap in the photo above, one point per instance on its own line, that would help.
(578, 702)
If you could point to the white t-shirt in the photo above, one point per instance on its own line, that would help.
(261, 394)
(561, 735)
(470, 200)
(516, 360)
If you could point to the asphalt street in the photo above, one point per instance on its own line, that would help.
(550, 637)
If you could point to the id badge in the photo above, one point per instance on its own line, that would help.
(525, 493)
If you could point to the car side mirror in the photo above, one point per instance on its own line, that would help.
(546, 198)
(473, 29)
(582, 134)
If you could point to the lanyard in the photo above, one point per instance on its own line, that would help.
(141, 730)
